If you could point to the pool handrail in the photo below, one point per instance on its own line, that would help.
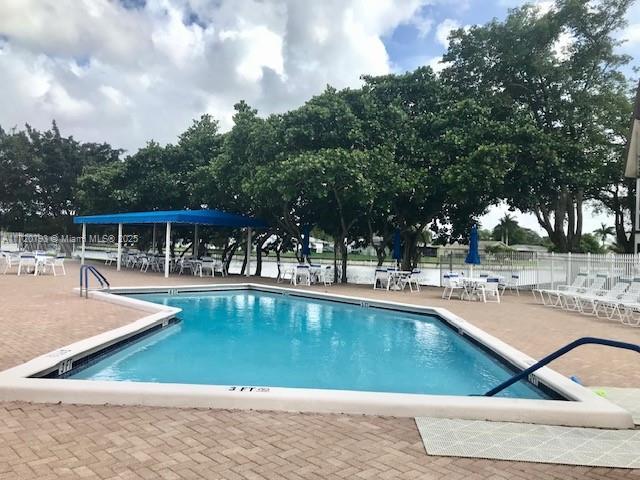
(104, 283)
(558, 353)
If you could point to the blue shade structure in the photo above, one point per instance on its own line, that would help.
(190, 217)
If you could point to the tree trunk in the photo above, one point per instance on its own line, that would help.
(410, 252)
(343, 251)
(228, 254)
(244, 261)
(335, 259)
(567, 209)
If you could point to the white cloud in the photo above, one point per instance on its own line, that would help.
(423, 24)
(631, 34)
(127, 75)
(444, 29)
(436, 64)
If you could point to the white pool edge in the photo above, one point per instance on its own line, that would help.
(587, 409)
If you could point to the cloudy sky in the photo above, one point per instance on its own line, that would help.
(127, 71)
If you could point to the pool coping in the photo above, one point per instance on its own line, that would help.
(585, 409)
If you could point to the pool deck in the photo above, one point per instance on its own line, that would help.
(40, 314)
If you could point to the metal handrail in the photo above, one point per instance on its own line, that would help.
(85, 269)
(558, 353)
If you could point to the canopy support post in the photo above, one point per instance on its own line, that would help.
(167, 250)
(196, 241)
(119, 260)
(153, 240)
(84, 241)
(248, 270)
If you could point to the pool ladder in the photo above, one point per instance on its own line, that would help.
(84, 275)
(558, 353)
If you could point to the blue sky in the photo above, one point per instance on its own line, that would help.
(409, 48)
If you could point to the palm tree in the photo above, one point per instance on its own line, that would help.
(506, 224)
(603, 232)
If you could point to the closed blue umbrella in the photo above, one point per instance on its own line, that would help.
(397, 248)
(473, 256)
(306, 231)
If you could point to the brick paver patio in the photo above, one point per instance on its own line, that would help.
(103, 442)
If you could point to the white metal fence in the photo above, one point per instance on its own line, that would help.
(549, 270)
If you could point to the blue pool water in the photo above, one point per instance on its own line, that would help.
(255, 338)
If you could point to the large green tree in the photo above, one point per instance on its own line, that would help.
(555, 79)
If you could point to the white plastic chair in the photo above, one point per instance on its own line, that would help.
(302, 275)
(411, 280)
(11, 260)
(452, 282)
(55, 263)
(490, 291)
(327, 275)
(511, 284)
(381, 276)
(207, 264)
(29, 263)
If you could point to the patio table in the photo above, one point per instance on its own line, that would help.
(394, 278)
(315, 271)
(471, 284)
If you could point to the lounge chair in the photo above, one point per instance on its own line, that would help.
(554, 298)
(594, 300)
(572, 299)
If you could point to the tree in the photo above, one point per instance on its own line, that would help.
(604, 231)
(555, 79)
(447, 153)
(39, 174)
(511, 233)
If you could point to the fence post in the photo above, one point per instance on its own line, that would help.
(553, 271)
(588, 264)
(569, 270)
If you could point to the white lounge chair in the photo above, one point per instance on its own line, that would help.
(554, 296)
(590, 303)
(572, 299)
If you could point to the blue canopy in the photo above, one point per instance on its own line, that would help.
(397, 248)
(306, 232)
(191, 217)
(473, 256)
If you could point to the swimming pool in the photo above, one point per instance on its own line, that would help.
(287, 349)
(266, 339)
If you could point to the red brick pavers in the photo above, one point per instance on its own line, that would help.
(107, 442)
